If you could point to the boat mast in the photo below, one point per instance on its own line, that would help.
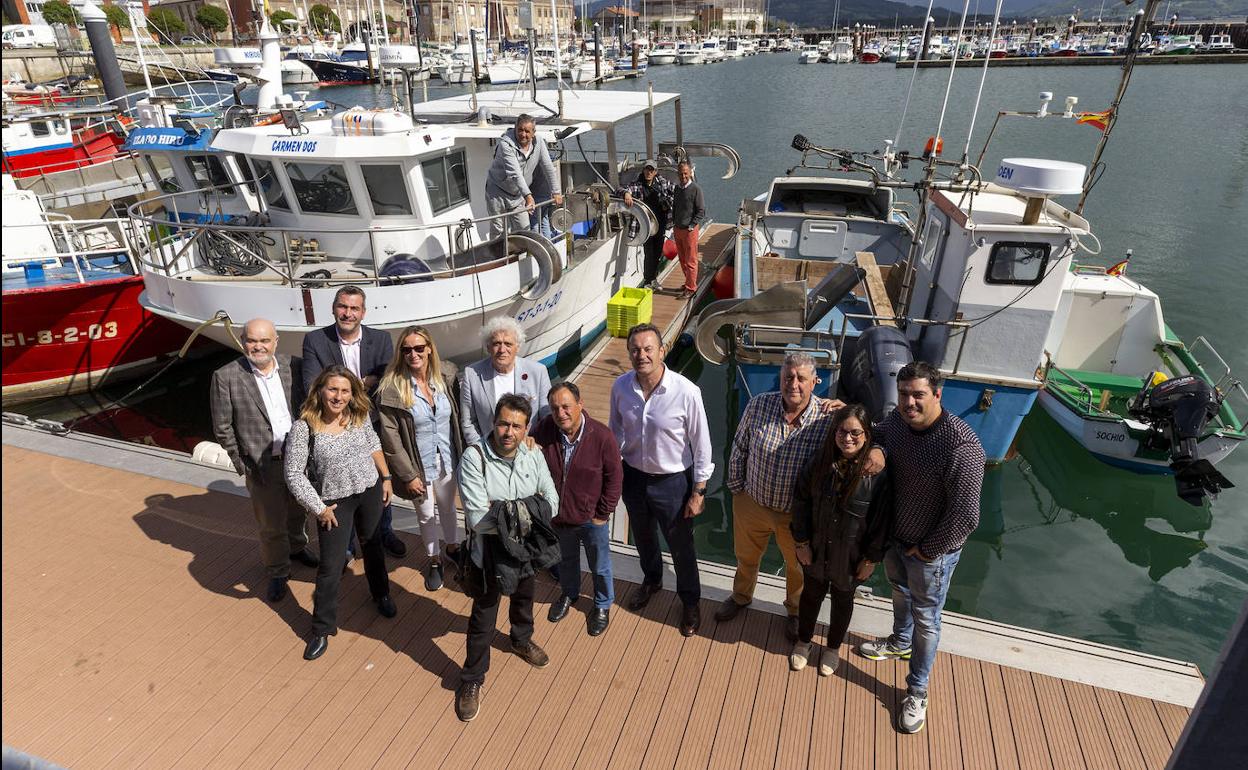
(1142, 19)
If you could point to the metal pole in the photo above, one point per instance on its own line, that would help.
(476, 66)
(597, 53)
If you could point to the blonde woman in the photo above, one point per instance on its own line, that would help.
(336, 470)
(421, 439)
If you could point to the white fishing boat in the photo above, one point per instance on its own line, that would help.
(809, 55)
(712, 51)
(842, 51)
(396, 205)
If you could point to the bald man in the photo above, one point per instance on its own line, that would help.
(253, 406)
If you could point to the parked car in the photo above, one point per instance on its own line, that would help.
(189, 40)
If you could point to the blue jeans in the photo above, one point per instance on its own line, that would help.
(597, 542)
(919, 592)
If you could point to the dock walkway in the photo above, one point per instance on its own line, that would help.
(135, 635)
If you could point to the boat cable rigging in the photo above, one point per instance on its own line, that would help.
(914, 71)
(983, 76)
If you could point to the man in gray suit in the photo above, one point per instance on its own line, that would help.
(488, 380)
(253, 407)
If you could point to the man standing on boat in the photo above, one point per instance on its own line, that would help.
(254, 399)
(779, 432)
(937, 467)
(656, 192)
(659, 421)
(519, 158)
(688, 212)
(366, 352)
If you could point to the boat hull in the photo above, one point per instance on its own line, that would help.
(332, 73)
(1116, 442)
(571, 312)
(88, 149)
(63, 340)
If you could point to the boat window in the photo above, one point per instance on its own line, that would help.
(39, 128)
(209, 171)
(387, 190)
(161, 170)
(61, 127)
(446, 180)
(270, 186)
(1020, 264)
(321, 188)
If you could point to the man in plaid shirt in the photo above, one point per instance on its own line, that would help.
(656, 192)
(778, 433)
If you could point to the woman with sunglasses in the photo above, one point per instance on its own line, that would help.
(336, 470)
(420, 434)
(840, 525)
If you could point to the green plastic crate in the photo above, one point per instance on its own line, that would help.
(628, 308)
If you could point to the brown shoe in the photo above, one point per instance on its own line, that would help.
(468, 701)
(532, 654)
(729, 609)
(690, 620)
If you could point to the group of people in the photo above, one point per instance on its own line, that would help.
(335, 434)
(522, 177)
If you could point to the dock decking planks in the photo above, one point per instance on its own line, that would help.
(183, 665)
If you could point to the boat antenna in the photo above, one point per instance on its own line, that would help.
(983, 75)
(1143, 18)
(905, 107)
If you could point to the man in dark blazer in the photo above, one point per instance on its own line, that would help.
(482, 384)
(253, 406)
(366, 352)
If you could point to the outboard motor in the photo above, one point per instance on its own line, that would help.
(869, 377)
(1177, 412)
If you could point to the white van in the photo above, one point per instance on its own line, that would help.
(27, 36)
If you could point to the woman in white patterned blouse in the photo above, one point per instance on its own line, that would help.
(345, 480)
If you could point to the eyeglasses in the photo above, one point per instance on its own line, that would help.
(407, 350)
(854, 434)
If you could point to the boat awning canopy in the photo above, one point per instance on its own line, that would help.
(600, 109)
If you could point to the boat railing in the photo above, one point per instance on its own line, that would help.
(1225, 383)
(1085, 392)
(166, 231)
(748, 337)
(77, 252)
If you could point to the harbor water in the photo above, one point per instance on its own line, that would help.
(1066, 544)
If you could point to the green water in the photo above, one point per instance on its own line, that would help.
(1066, 544)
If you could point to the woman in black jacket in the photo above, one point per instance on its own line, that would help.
(840, 524)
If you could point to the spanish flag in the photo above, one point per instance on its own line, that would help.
(1095, 119)
(1119, 268)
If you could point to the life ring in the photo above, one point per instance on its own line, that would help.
(270, 120)
(546, 257)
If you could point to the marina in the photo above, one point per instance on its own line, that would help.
(1089, 605)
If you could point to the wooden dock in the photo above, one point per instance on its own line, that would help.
(135, 635)
(608, 358)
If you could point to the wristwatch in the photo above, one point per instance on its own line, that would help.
(386, 478)
(700, 492)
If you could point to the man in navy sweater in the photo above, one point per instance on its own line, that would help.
(937, 467)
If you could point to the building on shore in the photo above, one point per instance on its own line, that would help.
(684, 17)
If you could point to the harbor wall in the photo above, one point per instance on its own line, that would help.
(40, 65)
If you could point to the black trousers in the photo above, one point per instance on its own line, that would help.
(656, 503)
(653, 255)
(481, 626)
(813, 591)
(364, 511)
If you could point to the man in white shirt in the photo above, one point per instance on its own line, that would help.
(658, 418)
(253, 407)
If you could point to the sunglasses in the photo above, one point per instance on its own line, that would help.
(407, 350)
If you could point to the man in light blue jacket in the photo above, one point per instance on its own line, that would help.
(519, 158)
(499, 468)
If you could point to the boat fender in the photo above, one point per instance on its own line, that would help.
(546, 260)
(270, 120)
(643, 225)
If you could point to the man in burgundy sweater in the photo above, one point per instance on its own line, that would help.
(584, 461)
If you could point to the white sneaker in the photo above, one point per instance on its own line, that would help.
(828, 662)
(799, 657)
(913, 714)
